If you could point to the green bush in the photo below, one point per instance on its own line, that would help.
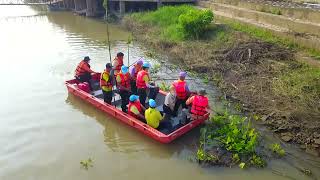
(195, 22)
(176, 23)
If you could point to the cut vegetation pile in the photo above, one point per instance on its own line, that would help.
(265, 77)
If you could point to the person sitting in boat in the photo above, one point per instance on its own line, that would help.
(169, 103)
(199, 105)
(143, 80)
(117, 63)
(181, 91)
(83, 71)
(133, 73)
(135, 108)
(154, 117)
(123, 84)
(106, 84)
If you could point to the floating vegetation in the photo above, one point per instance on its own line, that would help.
(229, 140)
(86, 164)
(164, 86)
(276, 148)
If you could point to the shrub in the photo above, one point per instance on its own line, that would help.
(276, 148)
(177, 23)
(195, 22)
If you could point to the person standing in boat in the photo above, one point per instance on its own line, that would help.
(182, 92)
(117, 63)
(135, 108)
(83, 71)
(169, 102)
(134, 70)
(142, 82)
(199, 104)
(106, 84)
(123, 84)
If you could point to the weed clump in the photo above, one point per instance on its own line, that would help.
(237, 139)
(276, 148)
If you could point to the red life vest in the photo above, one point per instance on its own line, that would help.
(120, 63)
(180, 87)
(103, 82)
(199, 105)
(125, 80)
(80, 68)
(141, 84)
(137, 69)
(137, 104)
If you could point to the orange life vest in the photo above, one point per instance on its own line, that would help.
(137, 68)
(199, 105)
(125, 80)
(105, 83)
(141, 84)
(180, 87)
(137, 104)
(120, 63)
(80, 68)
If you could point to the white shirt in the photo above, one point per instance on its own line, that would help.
(170, 100)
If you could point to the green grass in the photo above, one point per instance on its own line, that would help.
(301, 84)
(176, 23)
(269, 36)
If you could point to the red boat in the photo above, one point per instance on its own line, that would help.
(96, 99)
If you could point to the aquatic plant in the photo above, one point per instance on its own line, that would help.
(164, 86)
(86, 164)
(257, 161)
(155, 68)
(234, 134)
(276, 148)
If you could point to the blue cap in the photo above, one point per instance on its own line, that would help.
(152, 103)
(146, 65)
(133, 98)
(124, 69)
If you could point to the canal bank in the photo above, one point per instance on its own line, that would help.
(263, 78)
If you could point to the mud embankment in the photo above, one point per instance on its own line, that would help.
(246, 70)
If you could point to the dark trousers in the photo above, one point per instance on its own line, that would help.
(134, 89)
(107, 96)
(179, 102)
(86, 77)
(167, 110)
(142, 93)
(153, 93)
(124, 99)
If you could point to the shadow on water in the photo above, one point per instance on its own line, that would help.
(122, 138)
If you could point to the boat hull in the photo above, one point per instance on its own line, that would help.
(129, 120)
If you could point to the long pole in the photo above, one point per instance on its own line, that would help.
(108, 39)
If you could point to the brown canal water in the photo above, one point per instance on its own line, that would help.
(45, 132)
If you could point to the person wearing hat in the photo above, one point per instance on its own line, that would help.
(199, 104)
(134, 70)
(106, 84)
(123, 84)
(154, 117)
(117, 63)
(142, 82)
(83, 71)
(181, 91)
(135, 108)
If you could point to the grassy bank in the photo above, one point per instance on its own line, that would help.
(269, 36)
(251, 66)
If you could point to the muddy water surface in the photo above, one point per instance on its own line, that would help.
(45, 132)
